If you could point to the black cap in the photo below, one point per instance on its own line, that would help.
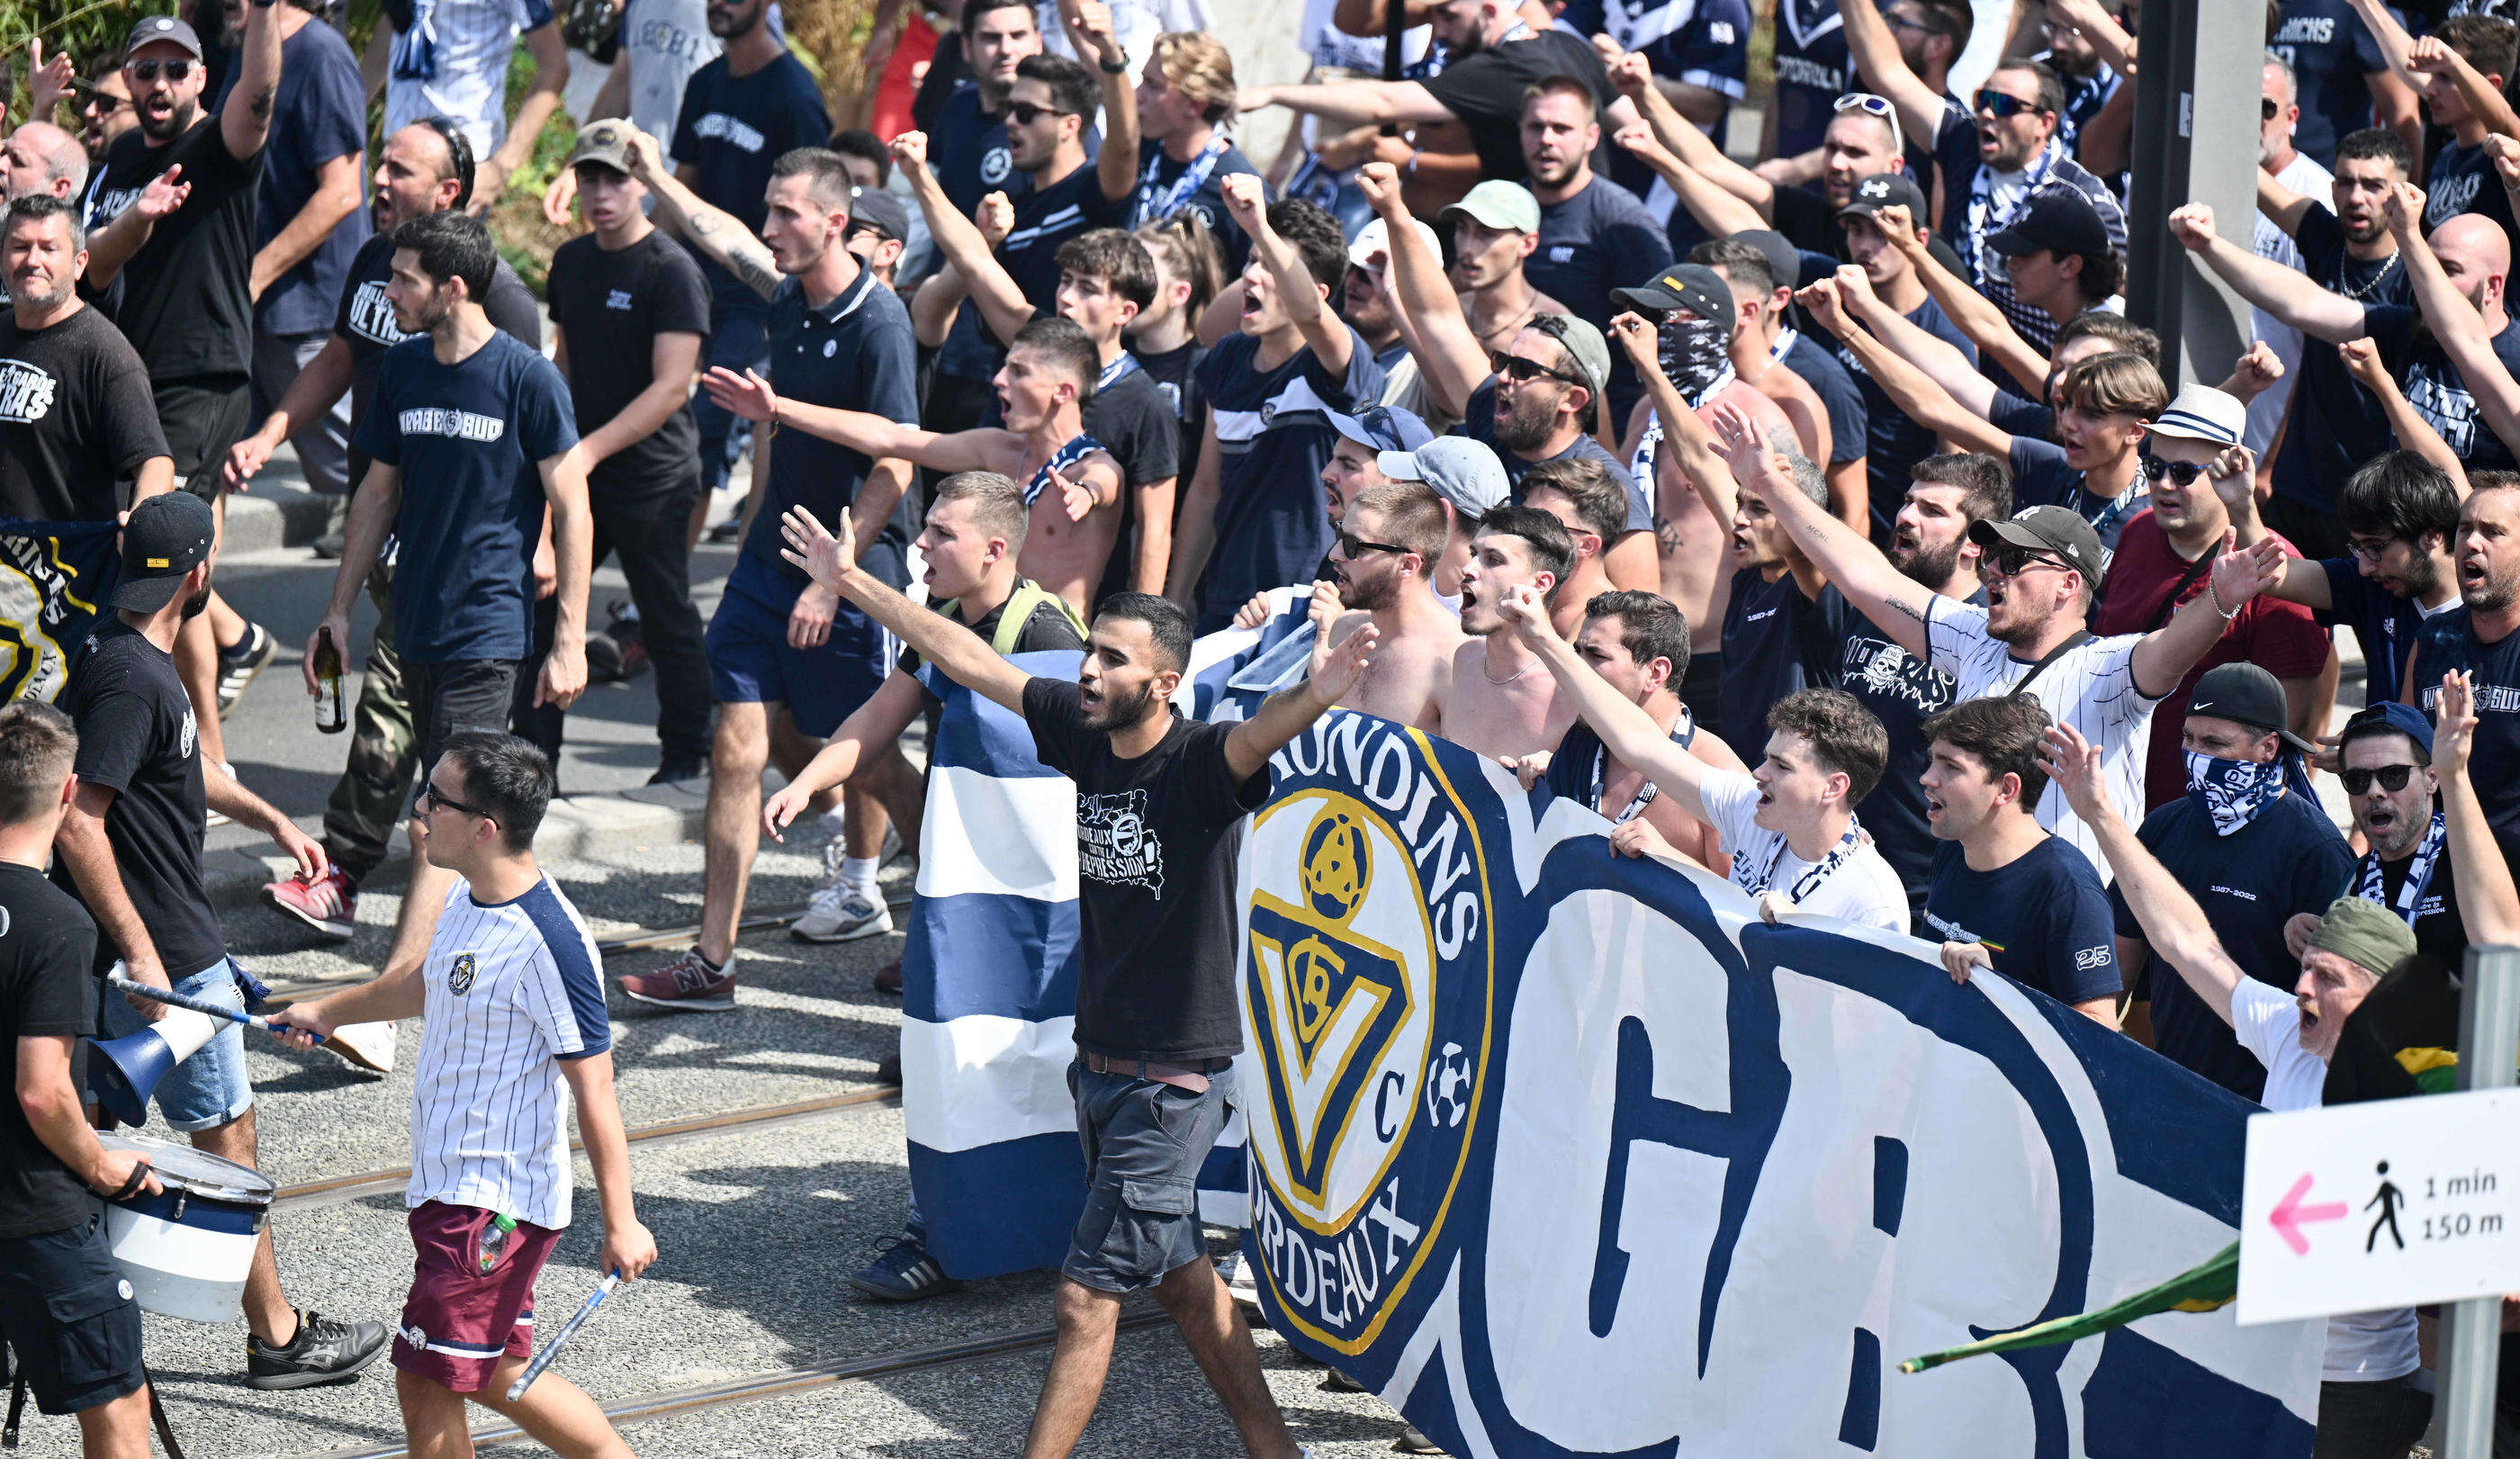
(166, 536)
(1784, 261)
(2059, 219)
(1888, 190)
(1693, 287)
(2054, 530)
(2248, 695)
(878, 209)
(162, 27)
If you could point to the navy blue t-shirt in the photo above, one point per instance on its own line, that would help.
(2043, 918)
(1598, 240)
(2015, 414)
(1273, 524)
(465, 438)
(1045, 218)
(2433, 386)
(731, 128)
(1206, 200)
(2461, 179)
(1849, 423)
(856, 353)
(1903, 692)
(966, 148)
(2042, 478)
(1891, 441)
(2384, 624)
(2332, 52)
(1774, 642)
(320, 112)
(1812, 72)
(2336, 424)
(1481, 426)
(2446, 642)
(2289, 859)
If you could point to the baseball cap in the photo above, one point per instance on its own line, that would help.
(162, 27)
(1583, 340)
(606, 143)
(2059, 219)
(1887, 190)
(1499, 204)
(878, 209)
(1784, 261)
(1385, 428)
(166, 536)
(2365, 932)
(2055, 529)
(1376, 237)
(2247, 694)
(1463, 472)
(2203, 413)
(1693, 287)
(2387, 717)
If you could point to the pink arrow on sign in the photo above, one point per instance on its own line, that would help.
(2290, 1215)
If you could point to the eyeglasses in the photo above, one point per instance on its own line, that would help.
(1898, 21)
(431, 797)
(2012, 562)
(2180, 473)
(2369, 549)
(146, 71)
(1874, 105)
(1351, 546)
(2002, 104)
(1025, 113)
(2267, 108)
(2392, 778)
(1524, 371)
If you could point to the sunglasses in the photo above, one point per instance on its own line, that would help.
(432, 798)
(1905, 22)
(2180, 473)
(145, 72)
(1351, 546)
(2267, 108)
(1873, 105)
(1524, 371)
(2012, 562)
(2001, 105)
(2392, 778)
(1025, 113)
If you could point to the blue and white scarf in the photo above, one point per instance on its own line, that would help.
(2234, 791)
(1155, 202)
(1078, 447)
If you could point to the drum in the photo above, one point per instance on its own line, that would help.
(185, 1250)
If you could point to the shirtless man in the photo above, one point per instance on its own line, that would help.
(1635, 642)
(1592, 507)
(1693, 490)
(1504, 702)
(1392, 535)
(1071, 484)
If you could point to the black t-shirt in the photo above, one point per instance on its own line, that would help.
(1154, 881)
(1485, 91)
(1849, 423)
(612, 307)
(185, 298)
(1046, 217)
(76, 419)
(47, 991)
(2439, 932)
(2043, 918)
(1776, 641)
(138, 738)
(2250, 883)
(1893, 442)
(1175, 372)
(1044, 628)
(365, 321)
(2336, 424)
(2446, 643)
(2433, 384)
(1811, 225)
(1135, 422)
(1903, 692)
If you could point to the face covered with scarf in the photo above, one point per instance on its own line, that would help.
(2234, 770)
(1693, 355)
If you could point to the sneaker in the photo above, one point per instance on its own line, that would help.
(902, 1271)
(1242, 1285)
(323, 1351)
(1335, 1382)
(239, 666)
(213, 819)
(686, 984)
(675, 772)
(329, 905)
(887, 1070)
(624, 632)
(328, 547)
(1413, 1440)
(843, 913)
(367, 1048)
(729, 530)
(888, 978)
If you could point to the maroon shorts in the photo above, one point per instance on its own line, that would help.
(460, 1320)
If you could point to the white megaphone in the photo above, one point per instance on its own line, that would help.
(130, 1066)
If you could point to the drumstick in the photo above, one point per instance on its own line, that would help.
(203, 1005)
(543, 1359)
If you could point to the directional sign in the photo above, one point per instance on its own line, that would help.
(2380, 1205)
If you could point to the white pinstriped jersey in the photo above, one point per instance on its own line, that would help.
(512, 988)
(2091, 688)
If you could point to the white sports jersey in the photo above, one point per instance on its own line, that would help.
(1860, 888)
(2090, 687)
(453, 62)
(512, 988)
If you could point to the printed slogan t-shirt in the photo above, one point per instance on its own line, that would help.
(1155, 860)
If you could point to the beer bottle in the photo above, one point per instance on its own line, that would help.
(331, 715)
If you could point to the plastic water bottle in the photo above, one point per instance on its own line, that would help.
(495, 1239)
(331, 714)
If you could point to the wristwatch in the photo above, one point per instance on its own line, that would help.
(1118, 68)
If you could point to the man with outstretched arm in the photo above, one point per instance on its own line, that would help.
(1156, 1019)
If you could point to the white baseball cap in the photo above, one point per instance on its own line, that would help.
(1376, 237)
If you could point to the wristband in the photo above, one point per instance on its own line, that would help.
(1114, 69)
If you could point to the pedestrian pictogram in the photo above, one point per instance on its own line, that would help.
(2389, 1199)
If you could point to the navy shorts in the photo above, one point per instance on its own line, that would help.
(751, 663)
(67, 1312)
(1145, 1141)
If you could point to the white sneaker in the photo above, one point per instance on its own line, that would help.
(367, 1048)
(1241, 1285)
(843, 914)
(214, 819)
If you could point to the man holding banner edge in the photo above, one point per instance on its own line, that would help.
(1158, 799)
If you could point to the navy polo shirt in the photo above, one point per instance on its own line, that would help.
(855, 352)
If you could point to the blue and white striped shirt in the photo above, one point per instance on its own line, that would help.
(511, 987)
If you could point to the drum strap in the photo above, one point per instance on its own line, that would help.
(16, 1407)
(158, 1416)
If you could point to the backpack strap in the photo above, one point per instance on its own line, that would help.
(1026, 599)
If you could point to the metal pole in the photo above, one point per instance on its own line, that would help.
(2196, 125)
(2488, 1046)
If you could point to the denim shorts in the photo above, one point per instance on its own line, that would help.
(1145, 1141)
(209, 1090)
(68, 1312)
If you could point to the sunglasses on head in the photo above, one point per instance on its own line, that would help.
(2180, 473)
(1873, 105)
(1524, 371)
(147, 70)
(2012, 562)
(2003, 105)
(2392, 778)
(1025, 113)
(1351, 546)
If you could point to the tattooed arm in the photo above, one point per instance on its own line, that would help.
(245, 122)
(714, 233)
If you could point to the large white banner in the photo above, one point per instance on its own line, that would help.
(1568, 1154)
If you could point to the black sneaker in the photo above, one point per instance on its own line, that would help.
(328, 547)
(729, 530)
(673, 772)
(903, 1272)
(238, 666)
(323, 1351)
(1413, 1440)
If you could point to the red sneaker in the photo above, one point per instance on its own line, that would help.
(686, 984)
(330, 904)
